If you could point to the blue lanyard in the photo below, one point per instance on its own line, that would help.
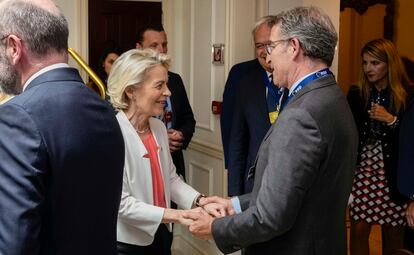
(307, 81)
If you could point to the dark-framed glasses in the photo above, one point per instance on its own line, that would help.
(272, 45)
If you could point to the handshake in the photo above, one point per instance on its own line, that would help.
(199, 219)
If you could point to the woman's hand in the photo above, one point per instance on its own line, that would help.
(176, 216)
(379, 113)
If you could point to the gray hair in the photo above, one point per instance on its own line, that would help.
(43, 31)
(314, 30)
(130, 69)
(269, 20)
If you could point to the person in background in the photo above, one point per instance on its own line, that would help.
(60, 186)
(231, 87)
(377, 105)
(406, 155)
(257, 103)
(137, 87)
(178, 115)
(304, 167)
(110, 53)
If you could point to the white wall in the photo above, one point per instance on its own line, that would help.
(76, 13)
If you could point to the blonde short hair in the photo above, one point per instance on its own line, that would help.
(130, 69)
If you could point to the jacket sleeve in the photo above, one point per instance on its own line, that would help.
(139, 214)
(22, 181)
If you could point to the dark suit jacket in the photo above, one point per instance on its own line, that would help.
(406, 153)
(61, 167)
(303, 179)
(229, 97)
(183, 117)
(249, 125)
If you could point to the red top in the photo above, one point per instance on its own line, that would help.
(157, 180)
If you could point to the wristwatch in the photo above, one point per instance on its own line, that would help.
(197, 200)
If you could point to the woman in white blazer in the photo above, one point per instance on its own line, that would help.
(137, 87)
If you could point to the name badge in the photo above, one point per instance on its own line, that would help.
(273, 116)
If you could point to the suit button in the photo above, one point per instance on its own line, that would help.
(385, 144)
(412, 197)
(387, 156)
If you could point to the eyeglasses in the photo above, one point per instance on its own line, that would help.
(272, 45)
(260, 45)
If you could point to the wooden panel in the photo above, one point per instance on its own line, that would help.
(118, 21)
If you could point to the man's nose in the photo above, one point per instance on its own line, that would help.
(268, 58)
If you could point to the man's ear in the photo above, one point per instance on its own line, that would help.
(295, 46)
(14, 49)
(138, 46)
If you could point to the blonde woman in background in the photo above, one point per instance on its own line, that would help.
(377, 105)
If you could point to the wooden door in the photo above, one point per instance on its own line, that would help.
(118, 21)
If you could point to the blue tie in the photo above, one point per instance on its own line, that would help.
(270, 98)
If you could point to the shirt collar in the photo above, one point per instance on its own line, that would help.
(299, 81)
(44, 70)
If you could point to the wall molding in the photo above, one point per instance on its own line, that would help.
(206, 148)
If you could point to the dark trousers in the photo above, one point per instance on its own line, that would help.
(161, 245)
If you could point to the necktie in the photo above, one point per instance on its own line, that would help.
(272, 102)
(283, 100)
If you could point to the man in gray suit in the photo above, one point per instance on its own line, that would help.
(304, 168)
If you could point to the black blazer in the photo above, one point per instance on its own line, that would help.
(249, 125)
(406, 153)
(183, 117)
(389, 138)
(61, 167)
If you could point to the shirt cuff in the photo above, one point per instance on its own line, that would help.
(235, 202)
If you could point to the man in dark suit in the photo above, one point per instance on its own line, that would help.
(304, 167)
(178, 117)
(255, 109)
(60, 186)
(229, 98)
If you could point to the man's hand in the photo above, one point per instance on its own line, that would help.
(175, 139)
(409, 214)
(201, 225)
(223, 205)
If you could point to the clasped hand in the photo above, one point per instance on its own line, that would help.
(212, 207)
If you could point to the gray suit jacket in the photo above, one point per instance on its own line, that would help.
(303, 178)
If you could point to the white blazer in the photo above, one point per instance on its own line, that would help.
(138, 218)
